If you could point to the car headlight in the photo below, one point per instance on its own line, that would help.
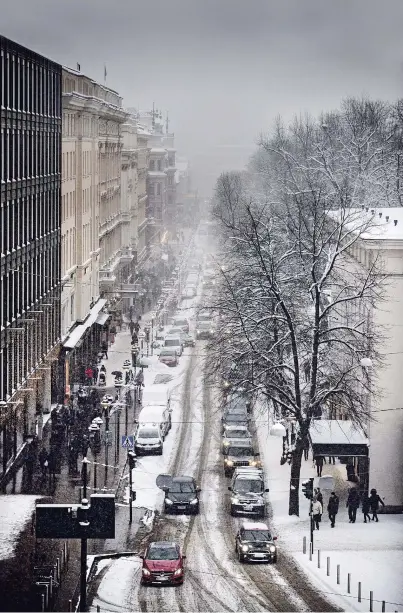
(211, 331)
(168, 501)
(244, 547)
(272, 549)
(194, 501)
(146, 572)
(178, 572)
(229, 462)
(225, 443)
(253, 463)
(197, 331)
(234, 501)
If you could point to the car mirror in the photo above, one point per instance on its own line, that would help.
(274, 538)
(267, 489)
(141, 556)
(256, 455)
(230, 488)
(183, 557)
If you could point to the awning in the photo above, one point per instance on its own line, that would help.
(335, 437)
(102, 318)
(79, 331)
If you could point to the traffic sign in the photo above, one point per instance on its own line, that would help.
(128, 442)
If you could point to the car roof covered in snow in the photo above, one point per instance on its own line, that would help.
(254, 525)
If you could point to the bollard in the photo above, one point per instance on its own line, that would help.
(42, 602)
(338, 574)
(383, 606)
(304, 545)
(318, 558)
(98, 608)
(359, 591)
(328, 566)
(348, 583)
(371, 601)
(70, 606)
(310, 551)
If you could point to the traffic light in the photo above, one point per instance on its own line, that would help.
(133, 495)
(132, 460)
(147, 331)
(307, 488)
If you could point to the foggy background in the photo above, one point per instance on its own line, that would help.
(222, 68)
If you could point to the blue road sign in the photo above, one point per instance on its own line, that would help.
(128, 442)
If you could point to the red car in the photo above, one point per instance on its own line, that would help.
(169, 357)
(162, 564)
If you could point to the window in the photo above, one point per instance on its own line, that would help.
(159, 165)
(152, 165)
(158, 189)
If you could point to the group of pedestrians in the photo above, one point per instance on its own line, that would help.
(369, 505)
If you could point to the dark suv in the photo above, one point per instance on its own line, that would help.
(182, 496)
(254, 543)
(239, 453)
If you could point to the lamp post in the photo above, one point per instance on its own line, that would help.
(106, 407)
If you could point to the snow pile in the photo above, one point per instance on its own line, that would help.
(15, 513)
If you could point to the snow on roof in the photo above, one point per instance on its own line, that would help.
(79, 331)
(158, 150)
(156, 173)
(15, 513)
(254, 525)
(335, 432)
(373, 225)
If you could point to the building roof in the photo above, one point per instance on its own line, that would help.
(157, 150)
(374, 224)
(156, 173)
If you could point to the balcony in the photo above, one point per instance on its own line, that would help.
(107, 278)
(126, 255)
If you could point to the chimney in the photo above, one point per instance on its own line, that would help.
(395, 222)
(372, 211)
(387, 218)
(380, 214)
(367, 208)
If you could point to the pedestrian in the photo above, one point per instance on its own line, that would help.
(112, 333)
(306, 448)
(319, 465)
(317, 511)
(333, 508)
(43, 458)
(353, 502)
(96, 373)
(131, 327)
(135, 338)
(52, 460)
(137, 327)
(89, 373)
(318, 495)
(374, 501)
(365, 507)
(104, 348)
(332, 459)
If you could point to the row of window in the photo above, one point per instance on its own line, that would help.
(68, 165)
(34, 278)
(28, 153)
(28, 86)
(27, 219)
(68, 250)
(68, 206)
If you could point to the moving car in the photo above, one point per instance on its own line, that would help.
(239, 453)
(182, 496)
(162, 564)
(204, 330)
(235, 432)
(148, 439)
(188, 339)
(181, 322)
(247, 487)
(190, 291)
(234, 419)
(174, 342)
(255, 543)
(168, 357)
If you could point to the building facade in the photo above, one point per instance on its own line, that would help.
(30, 198)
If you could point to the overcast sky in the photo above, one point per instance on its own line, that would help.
(222, 68)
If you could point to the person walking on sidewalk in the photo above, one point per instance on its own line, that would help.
(374, 501)
(365, 507)
(318, 495)
(104, 348)
(353, 502)
(333, 508)
(89, 373)
(43, 458)
(131, 327)
(319, 465)
(317, 511)
(306, 449)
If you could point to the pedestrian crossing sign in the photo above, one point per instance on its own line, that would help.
(128, 442)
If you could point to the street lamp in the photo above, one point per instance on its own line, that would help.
(278, 430)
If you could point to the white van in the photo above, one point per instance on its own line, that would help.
(174, 342)
(157, 394)
(156, 409)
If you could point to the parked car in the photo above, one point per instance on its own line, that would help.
(188, 340)
(204, 330)
(254, 542)
(247, 487)
(239, 453)
(182, 496)
(168, 357)
(148, 439)
(163, 564)
(174, 342)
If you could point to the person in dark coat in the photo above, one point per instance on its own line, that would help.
(319, 465)
(306, 448)
(333, 508)
(131, 327)
(374, 501)
(104, 348)
(365, 508)
(137, 327)
(353, 502)
(43, 458)
(319, 496)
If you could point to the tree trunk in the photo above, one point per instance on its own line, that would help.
(293, 504)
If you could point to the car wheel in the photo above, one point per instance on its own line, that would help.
(262, 513)
(275, 559)
(241, 557)
(160, 452)
(232, 512)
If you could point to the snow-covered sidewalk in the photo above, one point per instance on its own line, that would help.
(371, 553)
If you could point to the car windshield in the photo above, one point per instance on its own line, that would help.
(231, 417)
(176, 331)
(174, 342)
(237, 401)
(256, 535)
(181, 487)
(169, 352)
(232, 410)
(163, 553)
(240, 451)
(254, 486)
(180, 322)
(205, 325)
(148, 433)
(237, 434)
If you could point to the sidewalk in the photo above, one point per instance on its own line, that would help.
(371, 553)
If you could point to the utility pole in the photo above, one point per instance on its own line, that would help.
(132, 463)
(307, 488)
(83, 556)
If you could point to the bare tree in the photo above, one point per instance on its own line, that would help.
(292, 294)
